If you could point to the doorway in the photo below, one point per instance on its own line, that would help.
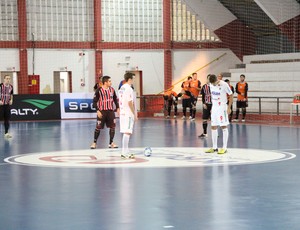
(62, 81)
(138, 86)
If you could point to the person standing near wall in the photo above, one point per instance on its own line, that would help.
(171, 99)
(103, 101)
(128, 113)
(242, 98)
(186, 97)
(6, 100)
(195, 87)
(219, 112)
(206, 101)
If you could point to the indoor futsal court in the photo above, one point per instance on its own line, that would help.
(65, 62)
(50, 179)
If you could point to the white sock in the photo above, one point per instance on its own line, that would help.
(214, 136)
(125, 142)
(225, 138)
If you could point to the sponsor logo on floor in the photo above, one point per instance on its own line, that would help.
(160, 157)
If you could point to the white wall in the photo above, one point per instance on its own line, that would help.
(151, 63)
(9, 58)
(49, 60)
(186, 62)
(115, 64)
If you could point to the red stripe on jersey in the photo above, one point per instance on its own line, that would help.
(106, 99)
(5, 93)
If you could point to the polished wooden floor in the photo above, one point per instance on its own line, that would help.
(239, 197)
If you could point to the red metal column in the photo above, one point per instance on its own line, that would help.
(98, 39)
(168, 73)
(23, 58)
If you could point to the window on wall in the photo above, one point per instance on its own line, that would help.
(132, 21)
(186, 27)
(8, 20)
(60, 20)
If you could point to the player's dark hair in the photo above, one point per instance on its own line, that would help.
(128, 76)
(242, 75)
(105, 79)
(189, 77)
(212, 78)
(227, 80)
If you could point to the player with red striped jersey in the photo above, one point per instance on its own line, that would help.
(6, 100)
(104, 99)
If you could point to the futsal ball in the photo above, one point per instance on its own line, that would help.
(147, 151)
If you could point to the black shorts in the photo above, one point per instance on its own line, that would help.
(206, 112)
(108, 119)
(186, 103)
(241, 104)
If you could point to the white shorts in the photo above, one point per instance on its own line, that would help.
(219, 116)
(126, 124)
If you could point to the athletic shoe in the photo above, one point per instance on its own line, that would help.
(193, 119)
(7, 135)
(211, 150)
(113, 145)
(167, 117)
(130, 156)
(174, 117)
(93, 145)
(235, 120)
(203, 135)
(243, 120)
(183, 118)
(222, 151)
(190, 117)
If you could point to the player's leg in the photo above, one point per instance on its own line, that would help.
(214, 130)
(244, 112)
(190, 105)
(175, 108)
(170, 102)
(225, 140)
(99, 126)
(194, 104)
(237, 113)
(126, 127)
(111, 124)
(205, 117)
(184, 105)
(224, 122)
(6, 116)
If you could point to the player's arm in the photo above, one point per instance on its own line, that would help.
(96, 99)
(11, 100)
(230, 101)
(246, 90)
(115, 98)
(237, 88)
(95, 102)
(131, 106)
(199, 85)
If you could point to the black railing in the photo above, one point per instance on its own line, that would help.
(260, 105)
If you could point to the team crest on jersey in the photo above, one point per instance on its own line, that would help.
(160, 157)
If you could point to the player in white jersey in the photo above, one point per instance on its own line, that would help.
(220, 94)
(128, 113)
